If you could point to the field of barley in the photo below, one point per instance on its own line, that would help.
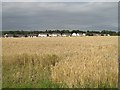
(60, 62)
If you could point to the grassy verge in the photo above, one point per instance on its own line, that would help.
(31, 71)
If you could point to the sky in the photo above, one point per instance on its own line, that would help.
(60, 0)
(59, 15)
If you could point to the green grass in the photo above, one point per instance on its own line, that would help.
(40, 84)
(29, 71)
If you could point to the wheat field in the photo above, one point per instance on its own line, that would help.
(60, 62)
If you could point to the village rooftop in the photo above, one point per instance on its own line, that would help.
(58, 33)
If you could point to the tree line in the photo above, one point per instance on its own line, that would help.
(89, 33)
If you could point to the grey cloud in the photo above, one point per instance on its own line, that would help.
(60, 0)
(89, 15)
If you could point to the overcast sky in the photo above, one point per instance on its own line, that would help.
(60, 0)
(59, 15)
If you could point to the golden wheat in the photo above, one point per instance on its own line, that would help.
(76, 61)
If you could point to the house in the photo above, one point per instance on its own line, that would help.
(94, 34)
(42, 35)
(64, 35)
(32, 35)
(5, 36)
(74, 34)
(55, 34)
(8, 35)
(105, 34)
(83, 34)
(78, 34)
(108, 34)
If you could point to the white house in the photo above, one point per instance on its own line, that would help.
(64, 35)
(78, 34)
(34, 36)
(54, 35)
(42, 35)
(6, 35)
(108, 34)
(83, 34)
(74, 34)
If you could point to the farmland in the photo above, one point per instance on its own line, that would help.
(60, 62)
